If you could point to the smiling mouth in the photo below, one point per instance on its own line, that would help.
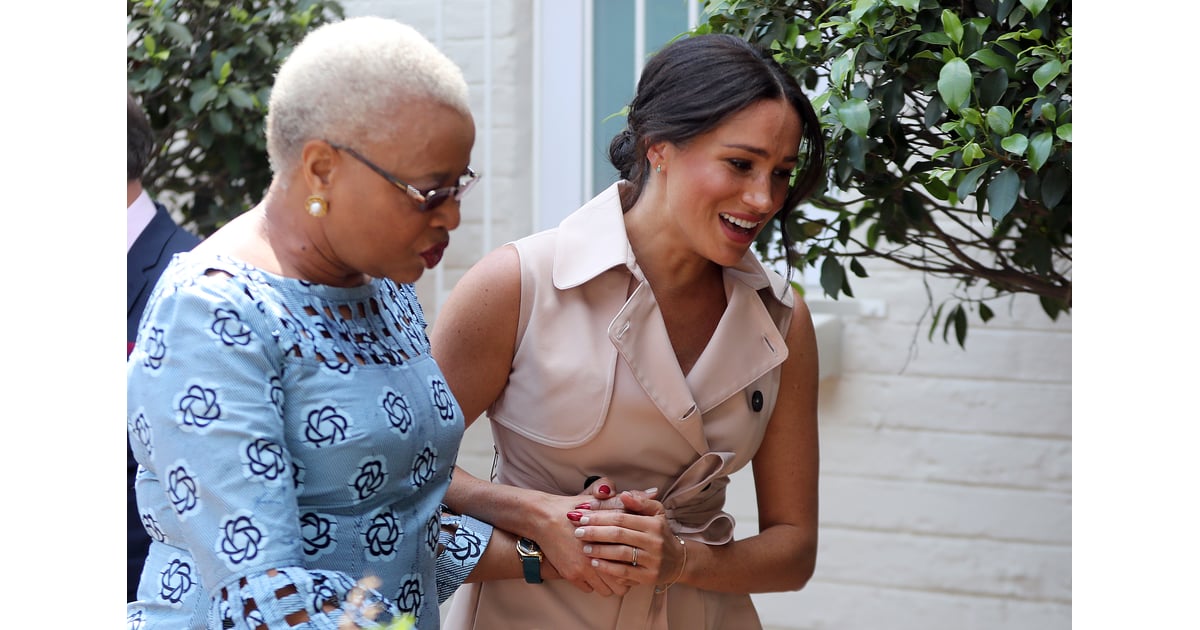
(433, 255)
(741, 225)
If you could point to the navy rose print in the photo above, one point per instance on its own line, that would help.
(424, 465)
(319, 533)
(239, 540)
(151, 526)
(297, 475)
(276, 394)
(141, 429)
(382, 535)
(229, 328)
(135, 620)
(181, 490)
(370, 477)
(443, 401)
(399, 412)
(411, 595)
(175, 581)
(264, 461)
(156, 349)
(198, 407)
(432, 529)
(464, 545)
(325, 427)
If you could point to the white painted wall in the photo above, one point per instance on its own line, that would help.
(946, 474)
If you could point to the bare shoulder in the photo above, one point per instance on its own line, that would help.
(486, 293)
(473, 336)
(801, 336)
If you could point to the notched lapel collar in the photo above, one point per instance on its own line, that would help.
(640, 336)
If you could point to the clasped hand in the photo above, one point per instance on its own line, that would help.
(613, 541)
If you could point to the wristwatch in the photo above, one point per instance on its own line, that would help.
(531, 560)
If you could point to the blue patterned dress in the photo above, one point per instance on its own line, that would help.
(286, 425)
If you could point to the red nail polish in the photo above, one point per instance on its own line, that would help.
(574, 516)
(583, 506)
(604, 489)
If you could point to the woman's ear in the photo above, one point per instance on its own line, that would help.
(657, 153)
(317, 164)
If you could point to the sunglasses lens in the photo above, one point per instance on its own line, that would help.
(435, 199)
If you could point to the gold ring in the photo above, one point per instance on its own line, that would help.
(635, 556)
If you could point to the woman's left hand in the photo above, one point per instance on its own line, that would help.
(634, 546)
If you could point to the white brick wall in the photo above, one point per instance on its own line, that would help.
(946, 473)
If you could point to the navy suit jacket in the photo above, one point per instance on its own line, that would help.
(145, 263)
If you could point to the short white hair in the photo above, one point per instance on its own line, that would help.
(342, 81)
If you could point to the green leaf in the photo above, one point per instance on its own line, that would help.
(999, 120)
(954, 84)
(937, 316)
(239, 97)
(841, 69)
(985, 312)
(1039, 149)
(960, 325)
(855, 114)
(910, 5)
(970, 153)
(1047, 73)
(179, 33)
(221, 121)
(203, 93)
(152, 79)
(832, 276)
(1035, 6)
(952, 25)
(1002, 193)
(1015, 144)
(992, 59)
(970, 181)
(1064, 132)
(1055, 185)
(857, 268)
(936, 38)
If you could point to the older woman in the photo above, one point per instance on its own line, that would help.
(295, 435)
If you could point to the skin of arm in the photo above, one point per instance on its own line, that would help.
(782, 556)
(473, 340)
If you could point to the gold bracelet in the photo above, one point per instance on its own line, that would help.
(663, 589)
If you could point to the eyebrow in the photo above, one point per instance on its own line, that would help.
(760, 151)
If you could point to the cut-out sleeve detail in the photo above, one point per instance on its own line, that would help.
(462, 541)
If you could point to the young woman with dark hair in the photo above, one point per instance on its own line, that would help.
(642, 340)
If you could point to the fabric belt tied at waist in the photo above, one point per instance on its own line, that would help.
(693, 505)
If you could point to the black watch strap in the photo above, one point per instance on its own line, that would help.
(531, 560)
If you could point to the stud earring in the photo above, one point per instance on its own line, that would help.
(317, 206)
(658, 169)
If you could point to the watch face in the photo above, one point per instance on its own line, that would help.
(528, 547)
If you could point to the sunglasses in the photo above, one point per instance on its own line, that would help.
(426, 201)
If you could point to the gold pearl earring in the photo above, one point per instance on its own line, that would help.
(317, 206)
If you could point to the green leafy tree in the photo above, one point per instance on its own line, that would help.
(203, 71)
(949, 130)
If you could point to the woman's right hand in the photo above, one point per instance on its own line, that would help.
(565, 552)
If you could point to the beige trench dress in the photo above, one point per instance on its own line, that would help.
(595, 389)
